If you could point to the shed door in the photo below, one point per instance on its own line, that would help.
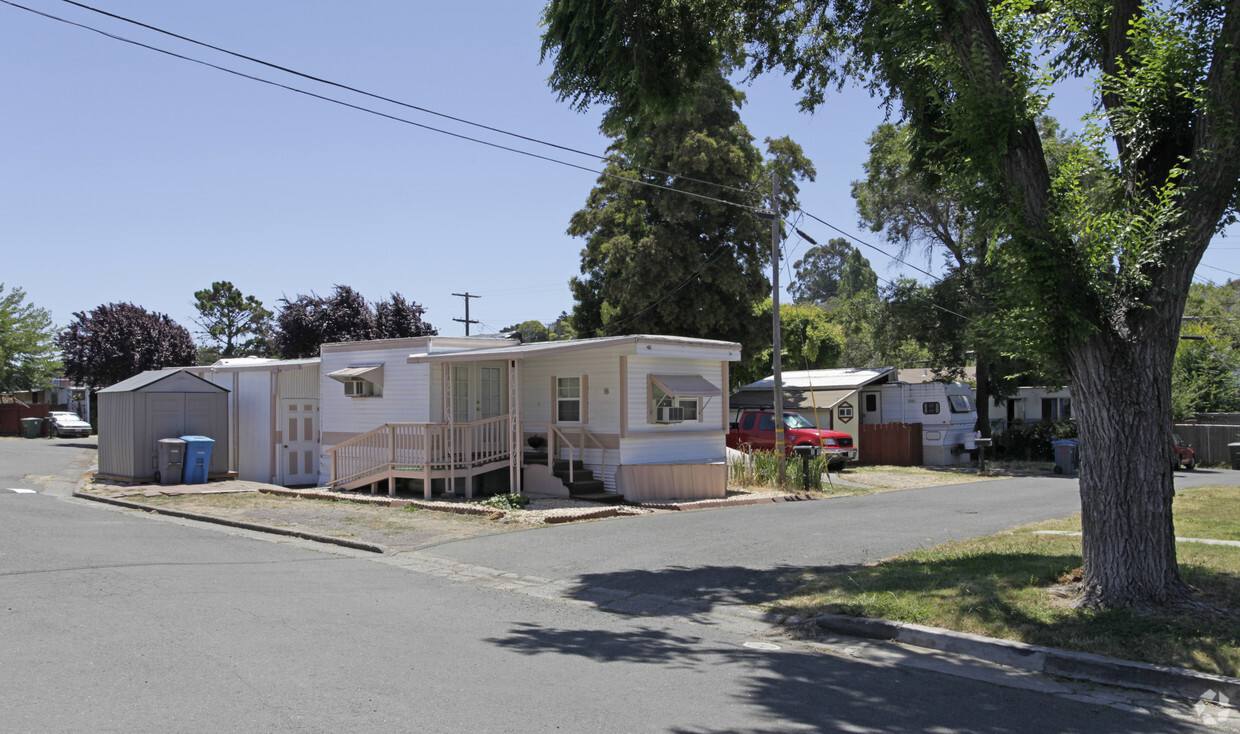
(299, 421)
(871, 407)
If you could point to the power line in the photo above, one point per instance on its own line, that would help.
(441, 131)
(372, 95)
(395, 118)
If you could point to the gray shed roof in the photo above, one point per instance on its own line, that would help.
(150, 377)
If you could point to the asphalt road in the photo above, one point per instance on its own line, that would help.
(116, 622)
(747, 554)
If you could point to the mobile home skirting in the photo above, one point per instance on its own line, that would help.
(653, 482)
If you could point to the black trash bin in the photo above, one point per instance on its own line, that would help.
(1233, 451)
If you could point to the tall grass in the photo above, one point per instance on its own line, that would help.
(761, 469)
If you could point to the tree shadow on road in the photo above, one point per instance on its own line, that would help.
(797, 688)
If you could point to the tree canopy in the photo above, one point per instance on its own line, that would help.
(808, 340)
(116, 341)
(1098, 273)
(27, 343)
(308, 321)
(684, 254)
(817, 274)
(233, 324)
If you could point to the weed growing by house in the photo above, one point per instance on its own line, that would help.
(506, 502)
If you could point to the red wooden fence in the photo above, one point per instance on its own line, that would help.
(11, 415)
(894, 444)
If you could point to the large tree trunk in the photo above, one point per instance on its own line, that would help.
(1121, 394)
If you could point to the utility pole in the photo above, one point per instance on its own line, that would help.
(466, 295)
(776, 357)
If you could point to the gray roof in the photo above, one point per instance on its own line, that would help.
(848, 377)
(150, 377)
(518, 351)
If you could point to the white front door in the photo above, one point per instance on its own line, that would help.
(299, 452)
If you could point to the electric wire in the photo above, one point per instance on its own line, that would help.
(460, 136)
(407, 105)
(378, 113)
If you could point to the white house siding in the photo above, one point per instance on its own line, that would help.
(694, 443)
(406, 396)
(600, 369)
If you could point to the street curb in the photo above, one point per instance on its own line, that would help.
(1160, 679)
(356, 545)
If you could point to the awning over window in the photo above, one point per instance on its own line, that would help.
(686, 386)
(369, 372)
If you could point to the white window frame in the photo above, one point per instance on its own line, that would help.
(692, 407)
(361, 388)
(560, 399)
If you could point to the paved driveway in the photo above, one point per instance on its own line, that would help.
(47, 465)
(750, 554)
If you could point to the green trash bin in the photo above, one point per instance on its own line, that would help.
(32, 427)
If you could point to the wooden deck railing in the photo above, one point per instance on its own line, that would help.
(419, 446)
(574, 449)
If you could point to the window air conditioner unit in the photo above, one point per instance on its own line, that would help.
(670, 414)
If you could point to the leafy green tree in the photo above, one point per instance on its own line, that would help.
(857, 277)
(660, 261)
(233, 324)
(816, 276)
(530, 331)
(116, 341)
(808, 338)
(1205, 377)
(1097, 274)
(561, 328)
(27, 343)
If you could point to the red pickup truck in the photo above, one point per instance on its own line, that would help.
(755, 430)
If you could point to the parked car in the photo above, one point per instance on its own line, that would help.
(1182, 454)
(67, 424)
(755, 429)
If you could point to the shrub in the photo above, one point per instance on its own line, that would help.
(506, 502)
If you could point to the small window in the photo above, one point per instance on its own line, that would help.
(930, 408)
(671, 409)
(766, 422)
(961, 403)
(361, 389)
(871, 403)
(568, 400)
(747, 422)
(845, 412)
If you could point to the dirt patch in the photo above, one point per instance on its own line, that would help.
(398, 528)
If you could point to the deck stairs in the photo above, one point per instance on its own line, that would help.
(582, 485)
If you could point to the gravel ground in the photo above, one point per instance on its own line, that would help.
(414, 523)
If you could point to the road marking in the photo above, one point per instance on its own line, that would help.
(22, 491)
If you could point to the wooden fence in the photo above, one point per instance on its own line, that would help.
(1209, 440)
(11, 416)
(895, 444)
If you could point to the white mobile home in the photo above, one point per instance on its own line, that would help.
(640, 416)
(273, 410)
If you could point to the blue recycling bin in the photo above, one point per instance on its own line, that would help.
(197, 458)
(1067, 456)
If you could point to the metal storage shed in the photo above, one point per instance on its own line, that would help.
(135, 413)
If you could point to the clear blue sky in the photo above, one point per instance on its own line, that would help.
(133, 176)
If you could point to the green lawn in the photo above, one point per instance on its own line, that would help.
(1012, 585)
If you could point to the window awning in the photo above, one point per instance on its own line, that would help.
(369, 372)
(686, 386)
